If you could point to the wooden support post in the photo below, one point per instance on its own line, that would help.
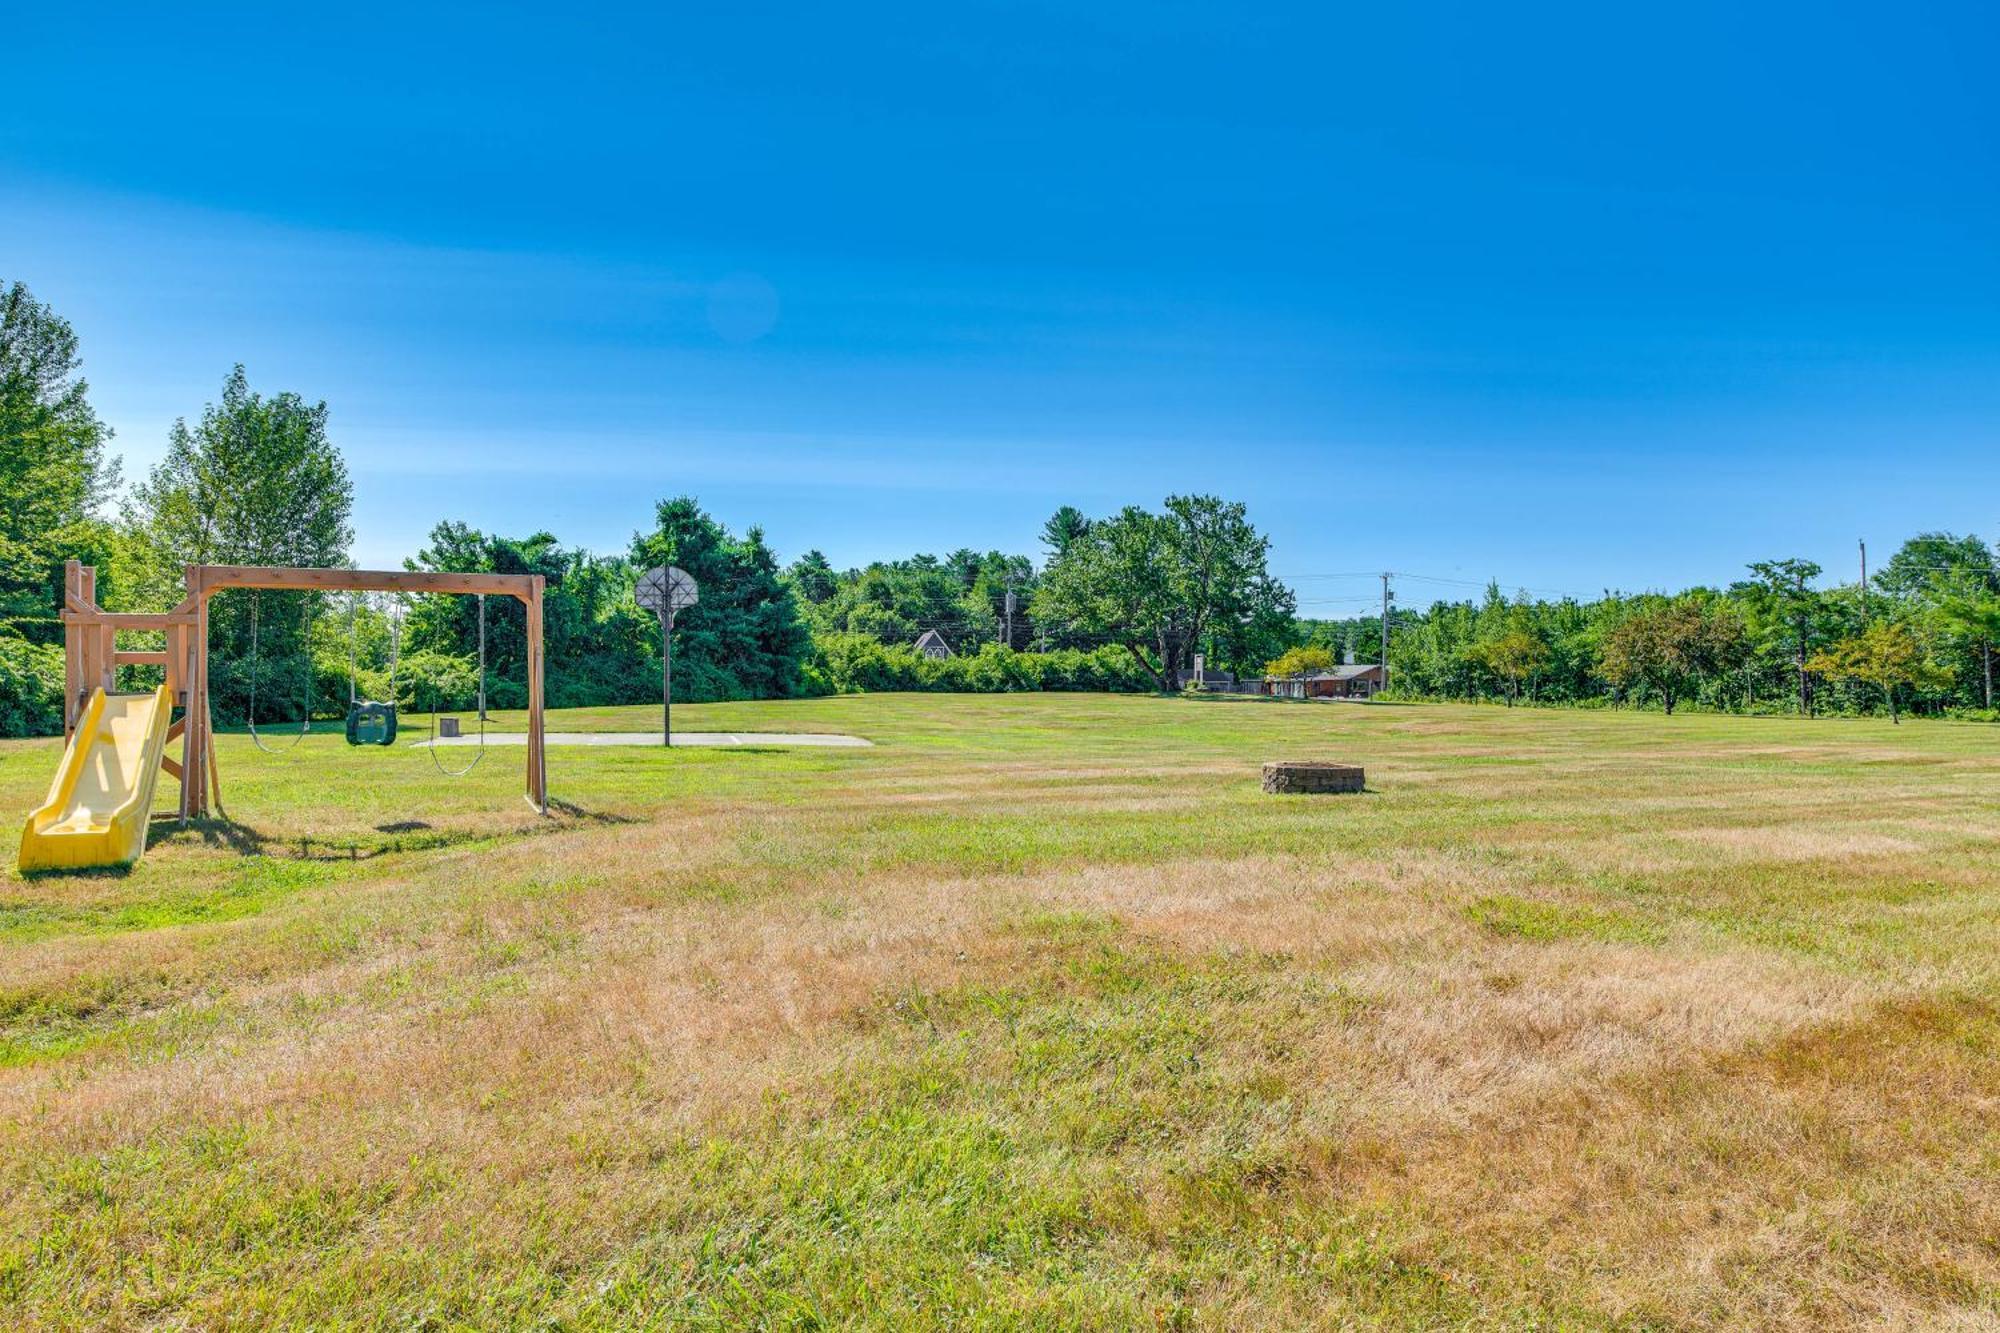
(107, 659)
(214, 777)
(538, 773)
(72, 647)
(199, 746)
(101, 639)
(86, 681)
(189, 769)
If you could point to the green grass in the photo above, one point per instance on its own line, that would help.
(1037, 1014)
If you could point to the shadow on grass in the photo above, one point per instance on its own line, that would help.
(244, 840)
(120, 871)
(1230, 697)
(406, 835)
(571, 810)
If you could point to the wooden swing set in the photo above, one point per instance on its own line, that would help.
(91, 656)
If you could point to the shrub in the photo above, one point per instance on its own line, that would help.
(31, 686)
(863, 664)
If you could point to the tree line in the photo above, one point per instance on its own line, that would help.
(1123, 601)
(1920, 636)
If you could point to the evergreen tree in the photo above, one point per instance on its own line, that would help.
(744, 638)
(812, 578)
(1063, 530)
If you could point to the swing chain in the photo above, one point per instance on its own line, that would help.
(305, 725)
(480, 753)
(353, 653)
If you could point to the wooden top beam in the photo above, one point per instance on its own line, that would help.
(126, 620)
(206, 579)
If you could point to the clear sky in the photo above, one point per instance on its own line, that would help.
(1570, 296)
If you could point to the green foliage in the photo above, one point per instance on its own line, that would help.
(1301, 661)
(1165, 586)
(1065, 528)
(1748, 648)
(256, 481)
(860, 664)
(1783, 599)
(1124, 603)
(1885, 655)
(812, 578)
(1671, 645)
(744, 638)
(1974, 615)
(31, 676)
(1931, 560)
(597, 645)
(962, 597)
(53, 473)
(1513, 656)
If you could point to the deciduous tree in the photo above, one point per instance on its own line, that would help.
(1162, 585)
(53, 472)
(1669, 645)
(1300, 662)
(1787, 587)
(1513, 656)
(255, 482)
(1887, 655)
(1974, 611)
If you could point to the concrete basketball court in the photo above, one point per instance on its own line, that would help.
(798, 739)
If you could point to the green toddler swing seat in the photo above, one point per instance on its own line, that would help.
(371, 723)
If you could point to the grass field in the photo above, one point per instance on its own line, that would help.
(1038, 1014)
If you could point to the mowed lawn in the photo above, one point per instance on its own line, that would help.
(1037, 1014)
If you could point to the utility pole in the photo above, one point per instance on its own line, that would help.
(1864, 579)
(1009, 639)
(1385, 631)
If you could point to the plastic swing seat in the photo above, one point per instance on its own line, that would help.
(371, 723)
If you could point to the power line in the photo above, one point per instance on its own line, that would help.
(1430, 578)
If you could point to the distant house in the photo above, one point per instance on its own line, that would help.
(1204, 679)
(931, 644)
(1352, 681)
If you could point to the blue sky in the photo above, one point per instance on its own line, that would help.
(1574, 297)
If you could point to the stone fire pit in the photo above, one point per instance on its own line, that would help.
(1311, 777)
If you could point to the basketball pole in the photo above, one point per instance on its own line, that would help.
(664, 591)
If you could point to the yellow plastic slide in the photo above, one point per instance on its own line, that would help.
(103, 793)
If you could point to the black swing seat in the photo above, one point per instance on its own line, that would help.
(371, 723)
